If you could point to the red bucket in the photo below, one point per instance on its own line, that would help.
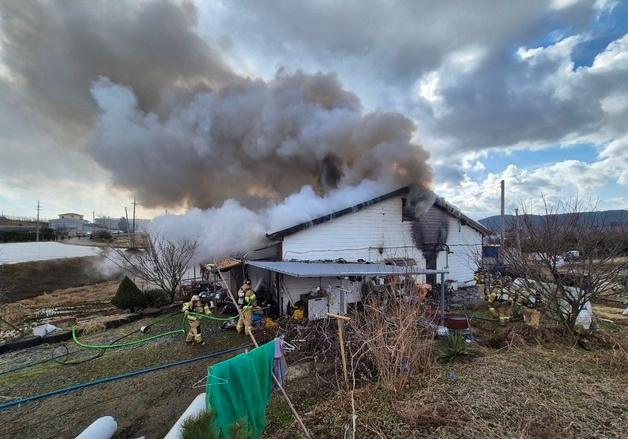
(456, 321)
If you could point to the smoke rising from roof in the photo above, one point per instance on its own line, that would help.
(254, 141)
(173, 123)
(232, 229)
(170, 121)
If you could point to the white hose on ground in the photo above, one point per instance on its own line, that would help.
(197, 407)
(101, 428)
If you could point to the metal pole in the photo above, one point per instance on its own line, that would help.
(133, 236)
(37, 237)
(442, 299)
(503, 223)
(517, 230)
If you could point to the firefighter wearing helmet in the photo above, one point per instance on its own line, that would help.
(198, 305)
(246, 298)
(531, 309)
(478, 277)
(503, 301)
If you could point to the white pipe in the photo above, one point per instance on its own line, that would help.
(101, 428)
(197, 407)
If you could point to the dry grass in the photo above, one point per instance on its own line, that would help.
(611, 313)
(385, 334)
(529, 392)
(97, 324)
(97, 293)
(93, 326)
(12, 312)
(78, 302)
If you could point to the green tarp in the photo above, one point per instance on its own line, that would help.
(238, 390)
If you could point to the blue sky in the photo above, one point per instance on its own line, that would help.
(533, 92)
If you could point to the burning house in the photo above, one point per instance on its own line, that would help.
(406, 232)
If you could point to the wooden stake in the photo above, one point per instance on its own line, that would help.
(340, 320)
(283, 391)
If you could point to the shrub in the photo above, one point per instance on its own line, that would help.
(198, 427)
(156, 297)
(201, 426)
(104, 235)
(128, 296)
(388, 334)
(455, 347)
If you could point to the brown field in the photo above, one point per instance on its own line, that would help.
(80, 303)
(30, 279)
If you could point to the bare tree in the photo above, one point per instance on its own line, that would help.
(162, 262)
(566, 286)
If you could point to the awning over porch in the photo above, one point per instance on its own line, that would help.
(329, 269)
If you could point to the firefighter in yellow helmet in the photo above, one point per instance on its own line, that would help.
(246, 298)
(199, 306)
(531, 312)
(479, 283)
(504, 301)
(492, 293)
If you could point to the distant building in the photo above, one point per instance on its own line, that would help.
(71, 224)
(111, 224)
(107, 222)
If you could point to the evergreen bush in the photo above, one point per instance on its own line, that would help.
(129, 296)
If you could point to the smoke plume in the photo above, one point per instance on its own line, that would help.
(171, 122)
(255, 141)
(233, 229)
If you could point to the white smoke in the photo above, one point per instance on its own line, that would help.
(174, 124)
(233, 229)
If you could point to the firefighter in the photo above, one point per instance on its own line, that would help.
(503, 306)
(531, 313)
(491, 295)
(246, 297)
(479, 282)
(424, 291)
(199, 306)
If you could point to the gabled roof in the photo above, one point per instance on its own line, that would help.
(439, 203)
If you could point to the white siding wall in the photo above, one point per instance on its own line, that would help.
(465, 243)
(356, 236)
(360, 235)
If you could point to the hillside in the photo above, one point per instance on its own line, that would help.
(613, 217)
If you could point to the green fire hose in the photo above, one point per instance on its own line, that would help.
(146, 339)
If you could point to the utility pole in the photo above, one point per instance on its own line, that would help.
(38, 208)
(502, 185)
(126, 214)
(517, 229)
(133, 236)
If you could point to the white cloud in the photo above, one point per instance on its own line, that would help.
(562, 4)
(554, 181)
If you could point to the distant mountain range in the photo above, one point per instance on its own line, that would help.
(611, 217)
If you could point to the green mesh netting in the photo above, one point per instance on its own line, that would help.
(238, 390)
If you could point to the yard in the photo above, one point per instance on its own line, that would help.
(520, 390)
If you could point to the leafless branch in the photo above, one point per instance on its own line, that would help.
(162, 262)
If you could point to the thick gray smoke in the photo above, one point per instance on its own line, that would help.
(255, 141)
(174, 124)
(57, 48)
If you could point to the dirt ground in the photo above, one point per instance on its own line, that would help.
(30, 279)
(529, 391)
(83, 303)
(144, 405)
